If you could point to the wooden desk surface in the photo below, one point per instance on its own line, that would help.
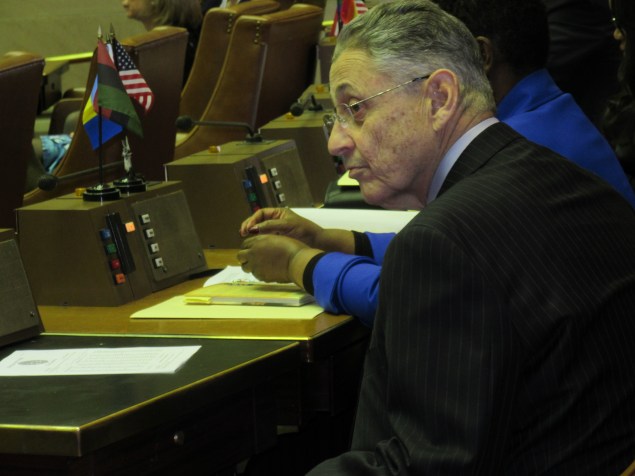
(58, 415)
(116, 320)
(214, 412)
(331, 349)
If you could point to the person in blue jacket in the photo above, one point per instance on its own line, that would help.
(514, 40)
(341, 268)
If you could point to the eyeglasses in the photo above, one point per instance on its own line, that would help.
(345, 114)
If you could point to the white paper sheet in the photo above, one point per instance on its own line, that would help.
(232, 274)
(100, 361)
(375, 221)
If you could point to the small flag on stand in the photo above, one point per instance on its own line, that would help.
(134, 83)
(110, 104)
(346, 10)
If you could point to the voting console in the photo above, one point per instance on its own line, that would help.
(307, 131)
(83, 253)
(228, 183)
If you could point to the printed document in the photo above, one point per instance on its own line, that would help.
(100, 361)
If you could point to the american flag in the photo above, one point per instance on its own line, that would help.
(135, 85)
(348, 10)
(361, 7)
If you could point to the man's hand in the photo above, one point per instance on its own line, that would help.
(281, 221)
(268, 257)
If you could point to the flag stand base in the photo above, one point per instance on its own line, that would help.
(101, 193)
(131, 184)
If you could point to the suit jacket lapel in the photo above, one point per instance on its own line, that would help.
(479, 152)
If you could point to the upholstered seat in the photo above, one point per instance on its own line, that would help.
(216, 30)
(270, 61)
(20, 81)
(159, 55)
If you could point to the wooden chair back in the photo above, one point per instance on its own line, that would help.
(160, 55)
(213, 42)
(284, 4)
(270, 61)
(20, 83)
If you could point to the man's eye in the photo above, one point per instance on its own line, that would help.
(358, 111)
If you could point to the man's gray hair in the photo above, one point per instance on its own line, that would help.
(409, 38)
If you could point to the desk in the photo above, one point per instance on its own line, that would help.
(331, 348)
(217, 410)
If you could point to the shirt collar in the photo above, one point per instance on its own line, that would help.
(453, 154)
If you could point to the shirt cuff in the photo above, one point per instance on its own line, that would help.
(362, 245)
(307, 275)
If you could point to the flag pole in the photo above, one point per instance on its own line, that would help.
(100, 154)
(101, 192)
(131, 182)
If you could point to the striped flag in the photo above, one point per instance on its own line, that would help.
(346, 11)
(111, 106)
(360, 6)
(111, 95)
(132, 80)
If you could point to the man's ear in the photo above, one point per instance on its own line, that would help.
(442, 88)
(487, 52)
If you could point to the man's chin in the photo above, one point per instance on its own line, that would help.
(384, 200)
(371, 197)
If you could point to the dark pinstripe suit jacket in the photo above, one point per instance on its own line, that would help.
(504, 342)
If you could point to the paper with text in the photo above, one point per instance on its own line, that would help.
(100, 361)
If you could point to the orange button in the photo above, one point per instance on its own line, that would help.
(130, 227)
(120, 278)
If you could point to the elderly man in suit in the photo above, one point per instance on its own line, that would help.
(503, 340)
(513, 36)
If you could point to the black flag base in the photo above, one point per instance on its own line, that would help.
(101, 193)
(131, 183)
